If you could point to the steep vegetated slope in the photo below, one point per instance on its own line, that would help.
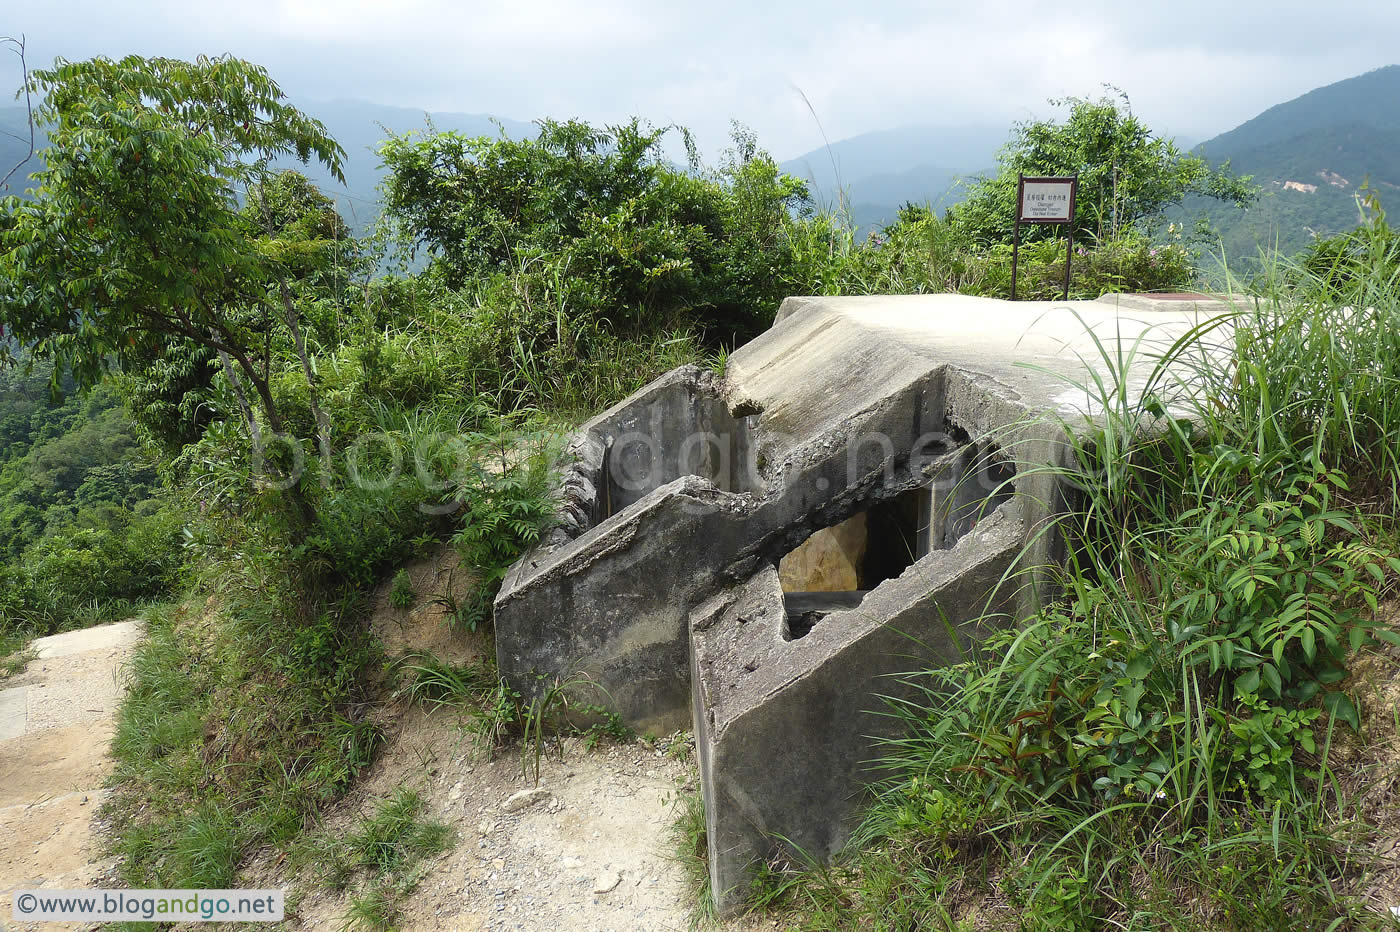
(1311, 156)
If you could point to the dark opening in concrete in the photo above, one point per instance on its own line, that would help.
(833, 569)
(979, 487)
(805, 609)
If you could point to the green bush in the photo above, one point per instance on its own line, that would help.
(923, 254)
(1363, 260)
(85, 575)
(504, 517)
(1128, 177)
(402, 595)
(362, 532)
(600, 227)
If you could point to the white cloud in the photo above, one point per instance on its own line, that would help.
(1195, 67)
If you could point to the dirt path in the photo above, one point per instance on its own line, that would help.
(56, 721)
(591, 850)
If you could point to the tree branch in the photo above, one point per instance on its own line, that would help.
(323, 422)
(28, 106)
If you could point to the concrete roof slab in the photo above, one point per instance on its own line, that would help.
(827, 356)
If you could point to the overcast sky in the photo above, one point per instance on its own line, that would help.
(1190, 67)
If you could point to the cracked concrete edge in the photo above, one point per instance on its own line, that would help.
(996, 539)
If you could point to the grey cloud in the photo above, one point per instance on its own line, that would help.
(1192, 66)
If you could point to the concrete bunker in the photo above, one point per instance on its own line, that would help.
(679, 428)
(756, 556)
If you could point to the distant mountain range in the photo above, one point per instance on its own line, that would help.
(873, 174)
(1309, 155)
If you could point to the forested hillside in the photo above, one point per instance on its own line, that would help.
(1311, 156)
(86, 529)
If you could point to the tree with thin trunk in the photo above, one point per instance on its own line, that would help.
(139, 236)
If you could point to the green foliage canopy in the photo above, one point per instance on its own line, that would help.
(136, 238)
(1127, 176)
(604, 221)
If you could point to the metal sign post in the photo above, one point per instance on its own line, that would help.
(1049, 201)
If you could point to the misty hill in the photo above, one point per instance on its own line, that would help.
(1369, 99)
(874, 173)
(1310, 155)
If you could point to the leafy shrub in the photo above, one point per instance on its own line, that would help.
(362, 531)
(83, 576)
(599, 224)
(1358, 261)
(508, 504)
(921, 253)
(1128, 177)
(401, 595)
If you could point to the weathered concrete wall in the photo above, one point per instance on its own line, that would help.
(842, 401)
(785, 729)
(676, 426)
(611, 604)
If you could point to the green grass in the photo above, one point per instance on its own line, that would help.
(15, 654)
(207, 851)
(157, 743)
(242, 725)
(377, 908)
(561, 707)
(402, 594)
(433, 682)
(231, 736)
(379, 859)
(689, 847)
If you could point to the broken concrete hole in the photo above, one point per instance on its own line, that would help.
(835, 568)
(759, 556)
